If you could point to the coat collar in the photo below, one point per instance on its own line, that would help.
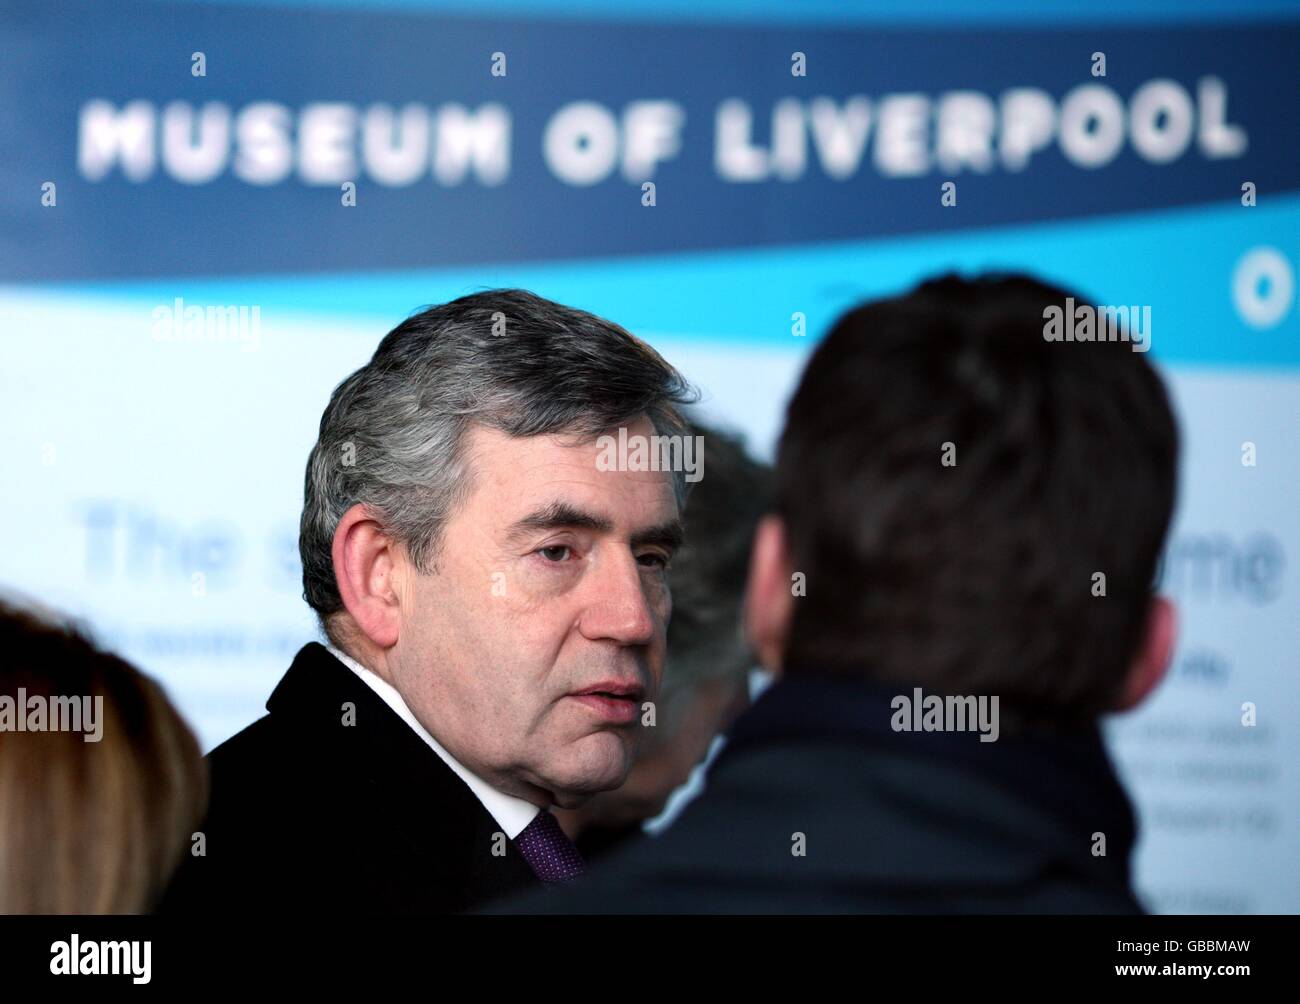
(325, 700)
(1066, 775)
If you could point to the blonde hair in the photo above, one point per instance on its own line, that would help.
(93, 827)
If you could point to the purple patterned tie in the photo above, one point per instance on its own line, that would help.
(551, 855)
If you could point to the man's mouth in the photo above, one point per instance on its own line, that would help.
(612, 700)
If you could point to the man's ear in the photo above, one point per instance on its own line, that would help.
(769, 600)
(1153, 655)
(367, 567)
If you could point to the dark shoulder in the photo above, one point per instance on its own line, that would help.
(252, 745)
(271, 777)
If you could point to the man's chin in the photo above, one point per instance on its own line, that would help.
(597, 763)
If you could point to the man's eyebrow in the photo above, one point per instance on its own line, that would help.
(666, 535)
(559, 515)
(563, 515)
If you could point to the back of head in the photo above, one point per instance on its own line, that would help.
(952, 484)
(101, 782)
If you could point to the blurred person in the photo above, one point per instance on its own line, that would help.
(956, 584)
(494, 599)
(102, 784)
(708, 664)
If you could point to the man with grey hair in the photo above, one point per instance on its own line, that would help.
(709, 669)
(495, 602)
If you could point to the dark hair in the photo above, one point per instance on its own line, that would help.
(391, 435)
(976, 578)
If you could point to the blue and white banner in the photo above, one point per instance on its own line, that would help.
(183, 136)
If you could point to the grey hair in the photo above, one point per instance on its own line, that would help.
(391, 437)
(705, 636)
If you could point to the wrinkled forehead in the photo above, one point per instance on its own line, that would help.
(554, 477)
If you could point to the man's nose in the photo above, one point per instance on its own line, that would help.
(619, 609)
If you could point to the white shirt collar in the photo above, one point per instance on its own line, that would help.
(512, 814)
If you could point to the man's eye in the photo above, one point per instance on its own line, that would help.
(653, 560)
(555, 553)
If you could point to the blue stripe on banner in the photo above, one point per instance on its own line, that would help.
(835, 12)
(1179, 262)
(243, 169)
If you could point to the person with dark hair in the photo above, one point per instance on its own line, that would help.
(956, 583)
(102, 784)
(490, 576)
(707, 670)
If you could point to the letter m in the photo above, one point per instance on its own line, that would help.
(1112, 324)
(962, 712)
(107, 136)
(116, 957)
